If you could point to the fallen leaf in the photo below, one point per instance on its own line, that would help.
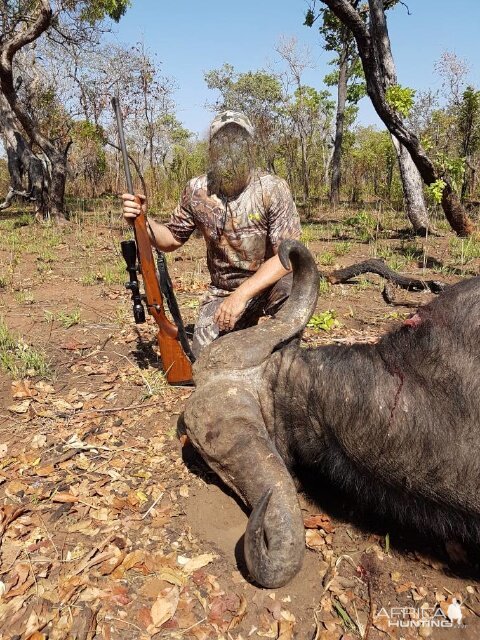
(144, 617)
(314, 539)
(164, 607)
(44, 387)
(198, 562)
(152, 588)
(118, 594)
(38, 441)
(111, 378)
(239, 615)
(65, 497)
(73, 345)
(45, 471)
(112, 563)
(286, 626)
(132, 559)
(103, 514)
(62, 405)
(142, 497)
(169, 574)
(21, 589)
(401, 588)
(319, 521)
(21, 407)
(84, 623)
(22, 389)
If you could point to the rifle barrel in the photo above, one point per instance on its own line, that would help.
(121, 137)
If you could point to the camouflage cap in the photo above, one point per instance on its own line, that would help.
(227, 117)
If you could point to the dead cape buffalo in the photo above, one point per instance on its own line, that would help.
(396, 424)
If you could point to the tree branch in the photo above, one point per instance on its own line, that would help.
(7, 52)
(351, 18)
(19, 40)
(381, 42)
(379, 267)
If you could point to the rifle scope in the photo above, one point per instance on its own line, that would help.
(129, 252)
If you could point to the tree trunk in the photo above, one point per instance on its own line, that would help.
(339, 127)
(374, 74)
(412, 190)
(411, 180)
(389, 177)
(57, 187)
(22, 163)
(8, 49)
(306, 189)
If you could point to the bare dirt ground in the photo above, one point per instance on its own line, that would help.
(109, 529)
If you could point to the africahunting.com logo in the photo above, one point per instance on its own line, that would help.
(448, 614)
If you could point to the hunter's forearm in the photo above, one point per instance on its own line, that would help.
(161, 236)
(270, 272)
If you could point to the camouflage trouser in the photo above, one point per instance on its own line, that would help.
(265, 304)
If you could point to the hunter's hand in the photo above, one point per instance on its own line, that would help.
(230, 310)
(131, 209)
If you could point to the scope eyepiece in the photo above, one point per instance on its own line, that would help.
(138, 313)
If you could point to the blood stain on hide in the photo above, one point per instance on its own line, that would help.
(415, 321)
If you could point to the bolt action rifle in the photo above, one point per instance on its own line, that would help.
(174, 347)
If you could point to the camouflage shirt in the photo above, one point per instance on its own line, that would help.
(241, 233)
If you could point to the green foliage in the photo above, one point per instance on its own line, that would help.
(312, 99)
(324, 286)
(356, 87)
(369, 159)
(326, 258)
(253, 92)
(188, 160)
(400, 98)
(84, 130)
(435, 190)
(69, 319)
(325, 321)
(454, 167)
(363, 220)
(177, 132)
(155, 383)
(469, 121)
(336, 36)
(309, 234)
(363, 284)
(465, 250)
(426, 142)
(341, 248)
(18, 358)
(309, 18)
(96, 10)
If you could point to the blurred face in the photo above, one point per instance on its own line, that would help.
(229, 161)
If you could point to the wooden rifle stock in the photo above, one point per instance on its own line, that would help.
(176, 364)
